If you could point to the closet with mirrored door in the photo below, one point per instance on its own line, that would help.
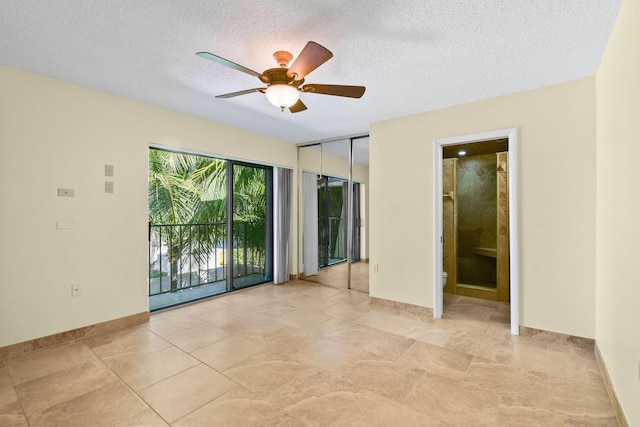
(333, 213)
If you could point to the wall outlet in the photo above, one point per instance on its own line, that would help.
(65, 192)
(108, 186)
(375, 268)
(76, 291)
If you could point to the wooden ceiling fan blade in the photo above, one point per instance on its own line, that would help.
(297, 107)
(242, 92)
(227, 63)
(336, 90)
(312, 56)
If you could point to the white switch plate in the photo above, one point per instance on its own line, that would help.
(65, 192)
(76, 291)
(108, 186)
(375, 268)
(64, 225)
(108, 170)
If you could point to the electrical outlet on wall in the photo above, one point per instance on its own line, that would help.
(76, 291)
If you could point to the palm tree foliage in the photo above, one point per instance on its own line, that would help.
(188, 194)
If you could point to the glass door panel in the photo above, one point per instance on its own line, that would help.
(251, 231)
(333, 211)
(360, 231)
(310, 165)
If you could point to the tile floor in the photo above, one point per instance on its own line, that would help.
(301, 354)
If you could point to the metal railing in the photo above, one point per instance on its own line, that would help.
(189, 255)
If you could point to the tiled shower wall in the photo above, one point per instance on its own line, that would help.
(477, 209)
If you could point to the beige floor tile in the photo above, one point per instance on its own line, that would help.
(453, 400)
(393, 380)
(173, 321)
(308, 302)
(426, 331)
(11, 413)
(147, 418)
(330, 356)
(105, 406)
(303, 318)
(316, 398)
(186, 391)
(526, 416)
(374, 410)
(437, 360)
(219, 317)
(228, 352)
(45, 362)
(192, 339)
(383, 320)
(267, 371)
(289, 340)
(322, 292)
(372, 340)
(553, 361)
(255, 326)
(38, 395)
(576, 399)
(126, 341)
(238, 408)
(514, 386)
(480, 345)
(345, 311)
(140, 370)
(301, 354)
(350, 298)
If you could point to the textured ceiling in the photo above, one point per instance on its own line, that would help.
(412, 56)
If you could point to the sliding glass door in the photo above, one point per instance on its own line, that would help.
(251, 236)
(210, 226)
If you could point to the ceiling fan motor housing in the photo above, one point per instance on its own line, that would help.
(279, 76)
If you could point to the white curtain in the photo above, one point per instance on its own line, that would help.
(281, 224)
(310, 224)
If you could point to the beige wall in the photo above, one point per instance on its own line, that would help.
(618, 209)
(556, 172)
(54, 134)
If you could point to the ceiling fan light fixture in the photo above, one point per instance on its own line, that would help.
(282, 95)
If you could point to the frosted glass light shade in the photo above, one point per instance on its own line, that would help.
(282, 95)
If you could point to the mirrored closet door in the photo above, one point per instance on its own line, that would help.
(333, 210)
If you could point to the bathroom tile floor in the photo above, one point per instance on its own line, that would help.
(301, 354)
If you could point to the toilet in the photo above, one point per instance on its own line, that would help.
(444, 279)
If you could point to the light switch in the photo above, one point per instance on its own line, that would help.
(64, 225)
(65, 192)
(108, 170)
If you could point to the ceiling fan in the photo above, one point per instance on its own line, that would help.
(285, 84)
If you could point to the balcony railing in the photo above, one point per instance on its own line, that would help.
(189, 255)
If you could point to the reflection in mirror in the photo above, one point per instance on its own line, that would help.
(333, 211)
(310, 167)
(360, 235)
(333, 216)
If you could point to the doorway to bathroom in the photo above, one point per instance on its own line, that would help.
(476, 219)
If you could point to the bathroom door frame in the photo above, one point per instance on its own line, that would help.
(514, 260)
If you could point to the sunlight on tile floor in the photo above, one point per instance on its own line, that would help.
(301, 354)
